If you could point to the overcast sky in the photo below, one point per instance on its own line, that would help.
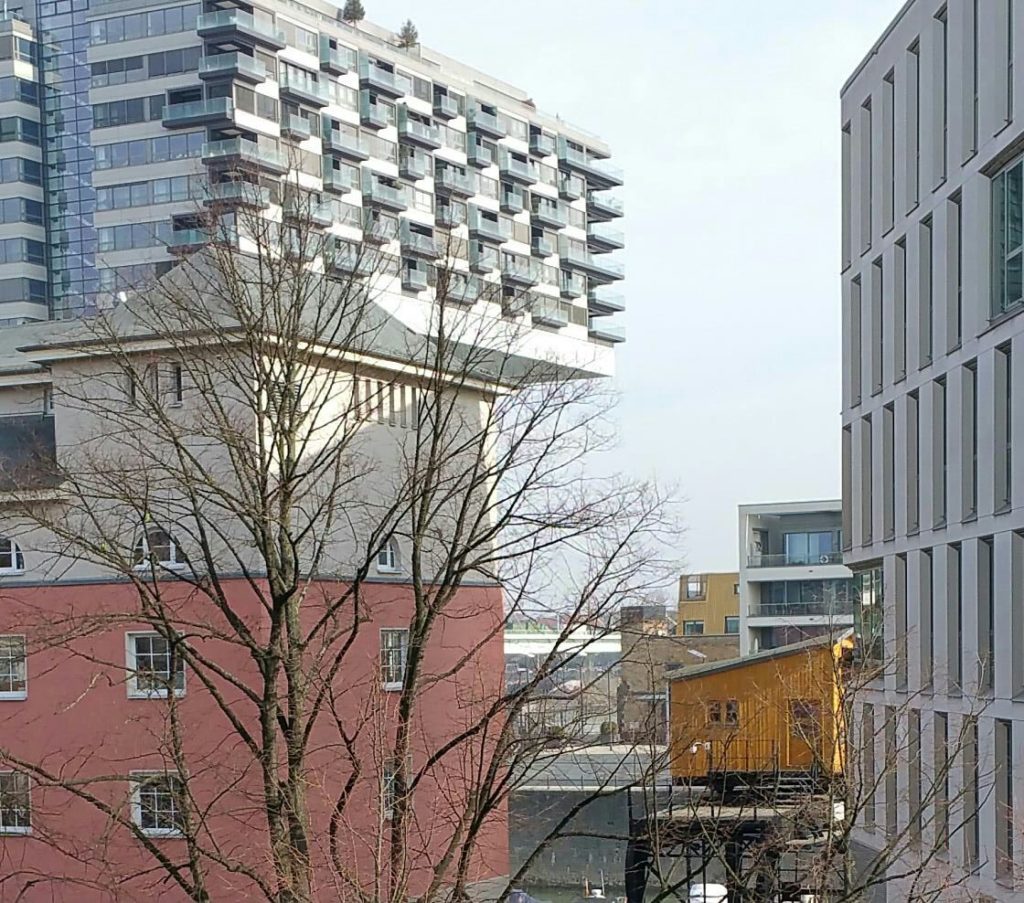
(725, 116)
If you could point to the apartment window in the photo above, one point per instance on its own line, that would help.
(155, 669)
(177, 386)
(969, 440)
(866, 176)
(942, 94)
(913, 95)
(888, 149)
(1005, 826)
(1008, 237)
(12, 561)
(877, 327)
(914, 774)
(156, 547)
(732, 624)
(888, 472)
(158, 804)
(954, 620)
(1003, 469)
(867, 744)
(866, 471)
(926, 619)
(15, 807)
(390, 787)
(913, 462)
(394, 652)
(925, 283)
(815, 547)
(869, 596)
(847, 478)
(696, 588)
(972, 801)
(900, 588)
(856, 342)
(892, 801)
(847, 163)
(940, 788)
(972, 80)
(986, 616)
(693, 628)
(955, 258)
(387, 556)
(940, 476)
(13, 668)
(899, 310)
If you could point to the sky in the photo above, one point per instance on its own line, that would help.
(725, 117)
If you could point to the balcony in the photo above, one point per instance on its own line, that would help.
(304, 88)
(478, 154)
(392, 197)
(213, 112)
(542, 144)
(519, 270)
(599, 173)
(413, 164)
(542, 246)
(445, 107)
(454, 181)
(414, 279)
(572, 285)
(335, 180)
(309, 210)
(483, 122)
(462, 288)
(238, 25)
(242, 150)
(184, 241)
(790, 559)
(514, 168)
(413, 131)
(296, 127)
(337, 59)
(487, 229)
(482, 258)
(837, 608)
(603, 333)
(601, 304)
(599, 268)
(570, 187)
(232, 65)
(549, 311)
(601, 238)
(383, 81)
(344, 143)
(546, 212)
(238, 194)
(602, 206)
(511, 199)
(416, 243)
(351, 259)
(449, 217)
(379, 230)
(372, 114)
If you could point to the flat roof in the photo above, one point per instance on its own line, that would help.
(874, 47)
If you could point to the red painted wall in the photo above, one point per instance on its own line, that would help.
(79, 722)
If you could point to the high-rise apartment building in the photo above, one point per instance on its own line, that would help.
(792, 581)
(121, 124)
(932, 226)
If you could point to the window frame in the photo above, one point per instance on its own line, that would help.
(687, 623)
(736, 619)
(17, 557)
(17, 695)
(142, 544)
(392, 562)
(132, 669)
(390, 686)
(18, 829)
(137, 780)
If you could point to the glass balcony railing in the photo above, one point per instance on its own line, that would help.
(480, 120)
(478, 154)
(416, 242)
(606, 332)
(303, 210)
(549, 311)
(337, 181)
(595, 169)
(232, 64)
(511, 167)
(384, 80)
(345, 143)
(392, 196)
(304, 87)
(512, 200)
(226, 21)
(455, 181)
(790, 559)
(572, 285)
(482, 258)
(547, 212)
(449, 217)
(826, 608)
(520, 270)
(602, 204)
(245, 150)
(445, 106)
(571, 187)
(338, 60)
(597, 266)
(484, 227)
(188, 239)
(601, 235)
(196, 112)
(542, 144)
(243, 193)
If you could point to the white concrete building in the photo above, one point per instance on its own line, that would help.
(793, 584)
(933, 492)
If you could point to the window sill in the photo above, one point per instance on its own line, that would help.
(1005, 508)
(163, 833)
(391, 687)
(970, 518)
(11, 572)
(381, 570)
(16, 696)
(1002, 316)
(154, 694)
(15, 830)
(160, 565)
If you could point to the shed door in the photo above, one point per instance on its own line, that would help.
(805, 732)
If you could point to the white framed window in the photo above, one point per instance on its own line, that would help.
(12, 561)
(389, 785)
(15, 806)
(158, 804)
(13, 669)
(387, 557)
(156, 546)
(154, 668)
(394, 651)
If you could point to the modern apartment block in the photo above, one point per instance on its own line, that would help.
(121, 124)
(792, 581)
(933, 513)
(709, 603)
(152, 113)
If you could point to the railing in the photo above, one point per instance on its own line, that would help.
(802, 609)
(244, 149)
(303, 84)
(481, 119)
(228, 62)
(792, 559)
(213, 106)
(449, 179)
(239, 19)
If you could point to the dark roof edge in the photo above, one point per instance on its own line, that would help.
(874, 47)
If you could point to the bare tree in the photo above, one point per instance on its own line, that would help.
(322, 519)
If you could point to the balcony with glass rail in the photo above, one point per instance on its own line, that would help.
(572, 285)
(547, 212)
(802, 558)
(381, 80)
(487, 229)
(602, 206)
(381, 194)
(599, 268)
(454, 181)
(345, 142)
(242, 150)
(238, 25)
(416, 243)
(235, 65)
(211, 112)
(837, 608)
(519, 270)
(514, 169)
(296, 127)
(571, 187)
(351, 259)
(598, 172)
(550, 311)
(483, 122)
(542, 144)
(542, 245)
(337, 59)
(601, 303)
(482, 258)
(413, 164)
(303, 88)
(183, 241)
(414, 131)
(606, 332)
(479, 155)
(240, 194)
(309, 210)
(601, 238)
(414, 279)
(512, 199)
(335, 180)
(445, 106)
